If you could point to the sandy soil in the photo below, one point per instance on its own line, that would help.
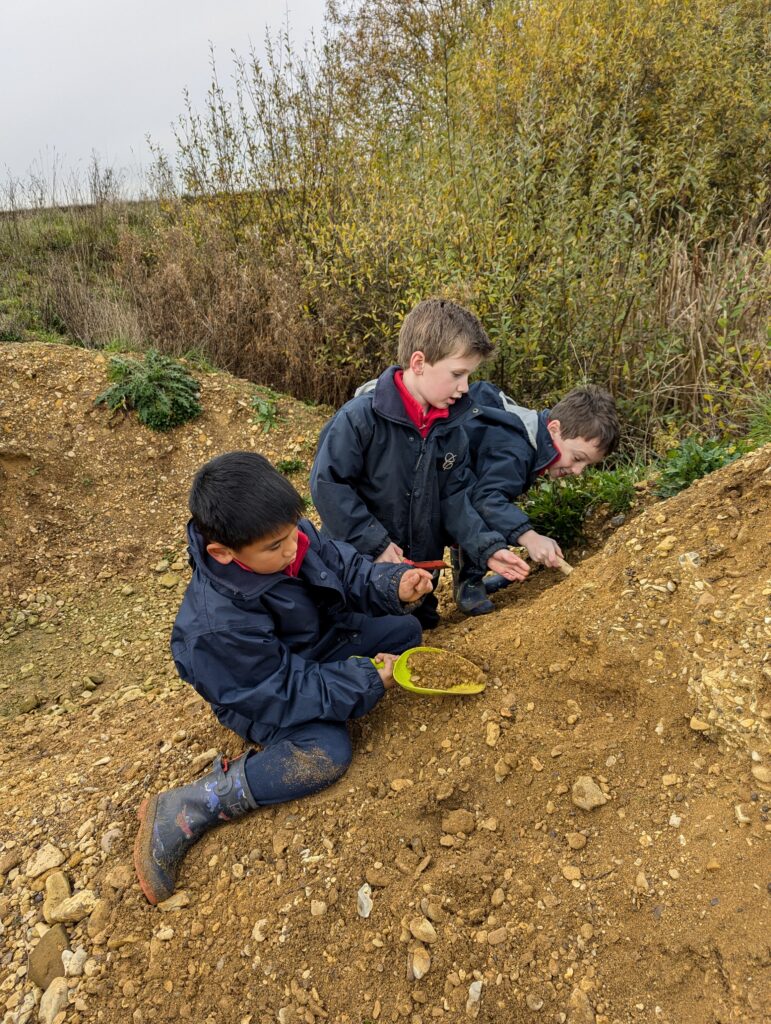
(496, 894)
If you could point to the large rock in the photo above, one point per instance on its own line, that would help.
(45, 960)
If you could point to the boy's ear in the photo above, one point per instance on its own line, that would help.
(219, 553)
(417, 362)
(553, 426)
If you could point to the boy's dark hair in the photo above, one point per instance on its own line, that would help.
(590, 413)
(238, 497)
(439, 328)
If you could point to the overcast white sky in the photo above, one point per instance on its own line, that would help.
(78, 76)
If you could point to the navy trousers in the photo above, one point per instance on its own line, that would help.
(307, 758)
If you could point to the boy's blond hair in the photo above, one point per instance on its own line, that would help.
(590, 413)
(439, 328)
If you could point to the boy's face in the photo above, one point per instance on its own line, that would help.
(442, 383)
(576, 453)
(271, 553)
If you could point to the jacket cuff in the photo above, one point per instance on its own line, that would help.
(522, 528)
(490, 550)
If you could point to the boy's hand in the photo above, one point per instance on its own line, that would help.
(541, 549)
(386, 673)
(393, 553)
(508, 565)
(414, 584)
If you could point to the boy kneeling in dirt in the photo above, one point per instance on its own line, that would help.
(276, 631)
(510, 447)
(391, 474)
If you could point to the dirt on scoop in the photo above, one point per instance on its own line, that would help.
(442, 670)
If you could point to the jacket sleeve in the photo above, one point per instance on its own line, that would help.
(338, 464)
(251, 672)
(461, 520)
(369, 588)
(504, 463)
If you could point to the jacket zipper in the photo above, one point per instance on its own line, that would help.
(423, 444)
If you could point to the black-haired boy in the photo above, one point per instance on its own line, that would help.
(276, 631)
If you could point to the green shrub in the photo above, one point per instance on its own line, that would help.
(159, 388)
(264, 411)
(559, 508)
(287, 466)
(692, 459)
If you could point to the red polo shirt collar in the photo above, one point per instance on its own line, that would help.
(422, 420)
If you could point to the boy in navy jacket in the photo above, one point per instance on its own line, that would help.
(391, 475)
(510, 447)
(276, 631)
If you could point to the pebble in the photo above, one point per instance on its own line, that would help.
(178, 901)
(399, 785)
(534, 1002)
(497, 936)
(43, 860)
(110, 839)
(164, 934)
(492, 733)
(571, 872)
(57, 891)
(458, 821)
(318, 908)
(423, 930)
(576, 840)
(364, 901)
(54, 1000)
(75, 908)
(474, 997)
(586, 794)
(74, 962)
(259, 933)
(579, 1008)
(762, 773)
(120, 877)
(419, 961)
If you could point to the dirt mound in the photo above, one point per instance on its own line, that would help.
(586, 841)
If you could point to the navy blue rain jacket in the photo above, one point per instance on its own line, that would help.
(376, 480)
(259, 647)
(509, 447)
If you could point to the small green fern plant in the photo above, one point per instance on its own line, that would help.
(159, 388)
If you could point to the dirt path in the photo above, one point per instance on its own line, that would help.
(495, 896)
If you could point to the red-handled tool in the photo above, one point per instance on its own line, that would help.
(437, 564)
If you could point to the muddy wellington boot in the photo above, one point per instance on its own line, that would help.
(468, 587)
(171, 822)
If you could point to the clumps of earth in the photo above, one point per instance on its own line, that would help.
(586, 842)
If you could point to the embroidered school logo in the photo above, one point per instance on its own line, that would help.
(449, 460)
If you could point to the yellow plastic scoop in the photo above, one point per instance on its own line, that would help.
(420, 669)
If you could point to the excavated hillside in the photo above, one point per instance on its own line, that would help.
(587, 841)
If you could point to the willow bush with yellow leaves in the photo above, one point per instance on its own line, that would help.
(592, 178)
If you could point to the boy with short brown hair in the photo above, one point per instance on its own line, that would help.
(391, 475)
(510, 447)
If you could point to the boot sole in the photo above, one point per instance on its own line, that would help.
(143, 847)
